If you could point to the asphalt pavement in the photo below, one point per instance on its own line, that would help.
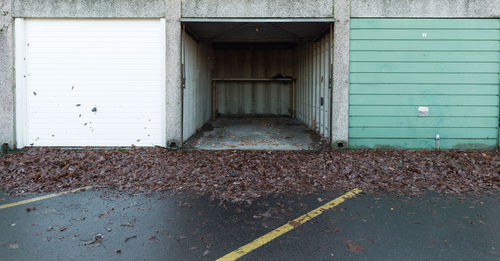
(107, 225)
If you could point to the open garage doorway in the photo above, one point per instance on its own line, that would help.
(257, 83)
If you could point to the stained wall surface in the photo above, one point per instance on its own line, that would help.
(257, 8)
(89, 8)
(426, 8)
(6, 74)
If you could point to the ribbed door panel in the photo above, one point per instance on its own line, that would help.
(450, 66)
(94, 82)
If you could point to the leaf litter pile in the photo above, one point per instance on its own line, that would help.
(243, 176)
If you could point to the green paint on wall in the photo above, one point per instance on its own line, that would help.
(412, 111)
(424, 56)
(423, 45)
(425, 35)
(425, 89)
(449, 67)
(422, 144)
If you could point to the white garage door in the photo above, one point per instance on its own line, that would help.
(90, 82)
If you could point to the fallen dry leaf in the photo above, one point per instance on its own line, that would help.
(355, 248)
(258, 173)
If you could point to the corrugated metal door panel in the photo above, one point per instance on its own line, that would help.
(326, 95)
(317, 85)
(190, 101)
(246, 89)
(450, 66)
(197, 92)
(251, 98)
(321, 86)
(286, 64)
(94, 82)
(312, 96)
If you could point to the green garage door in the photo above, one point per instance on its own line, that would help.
(411, 79)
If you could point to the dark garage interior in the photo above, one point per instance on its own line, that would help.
(257, 84)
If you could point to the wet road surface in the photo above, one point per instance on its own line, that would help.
(104, 225)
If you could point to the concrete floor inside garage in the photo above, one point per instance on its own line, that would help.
(256, 133)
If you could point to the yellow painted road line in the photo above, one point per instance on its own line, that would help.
(9, 205)
(287, 227)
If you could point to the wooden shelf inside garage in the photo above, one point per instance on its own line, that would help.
(252, 80)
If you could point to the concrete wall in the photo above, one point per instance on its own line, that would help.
(340, 121)
(425, 8)
(173, 81)
(257, 98)
(6, 75)
(89, 8)
(257, 8)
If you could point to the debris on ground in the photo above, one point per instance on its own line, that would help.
(97, 239)
(355, 248)
(105, 214)
(259, 173)
(274, 133)
(153, 238)
(130, 237)
(267, 214)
